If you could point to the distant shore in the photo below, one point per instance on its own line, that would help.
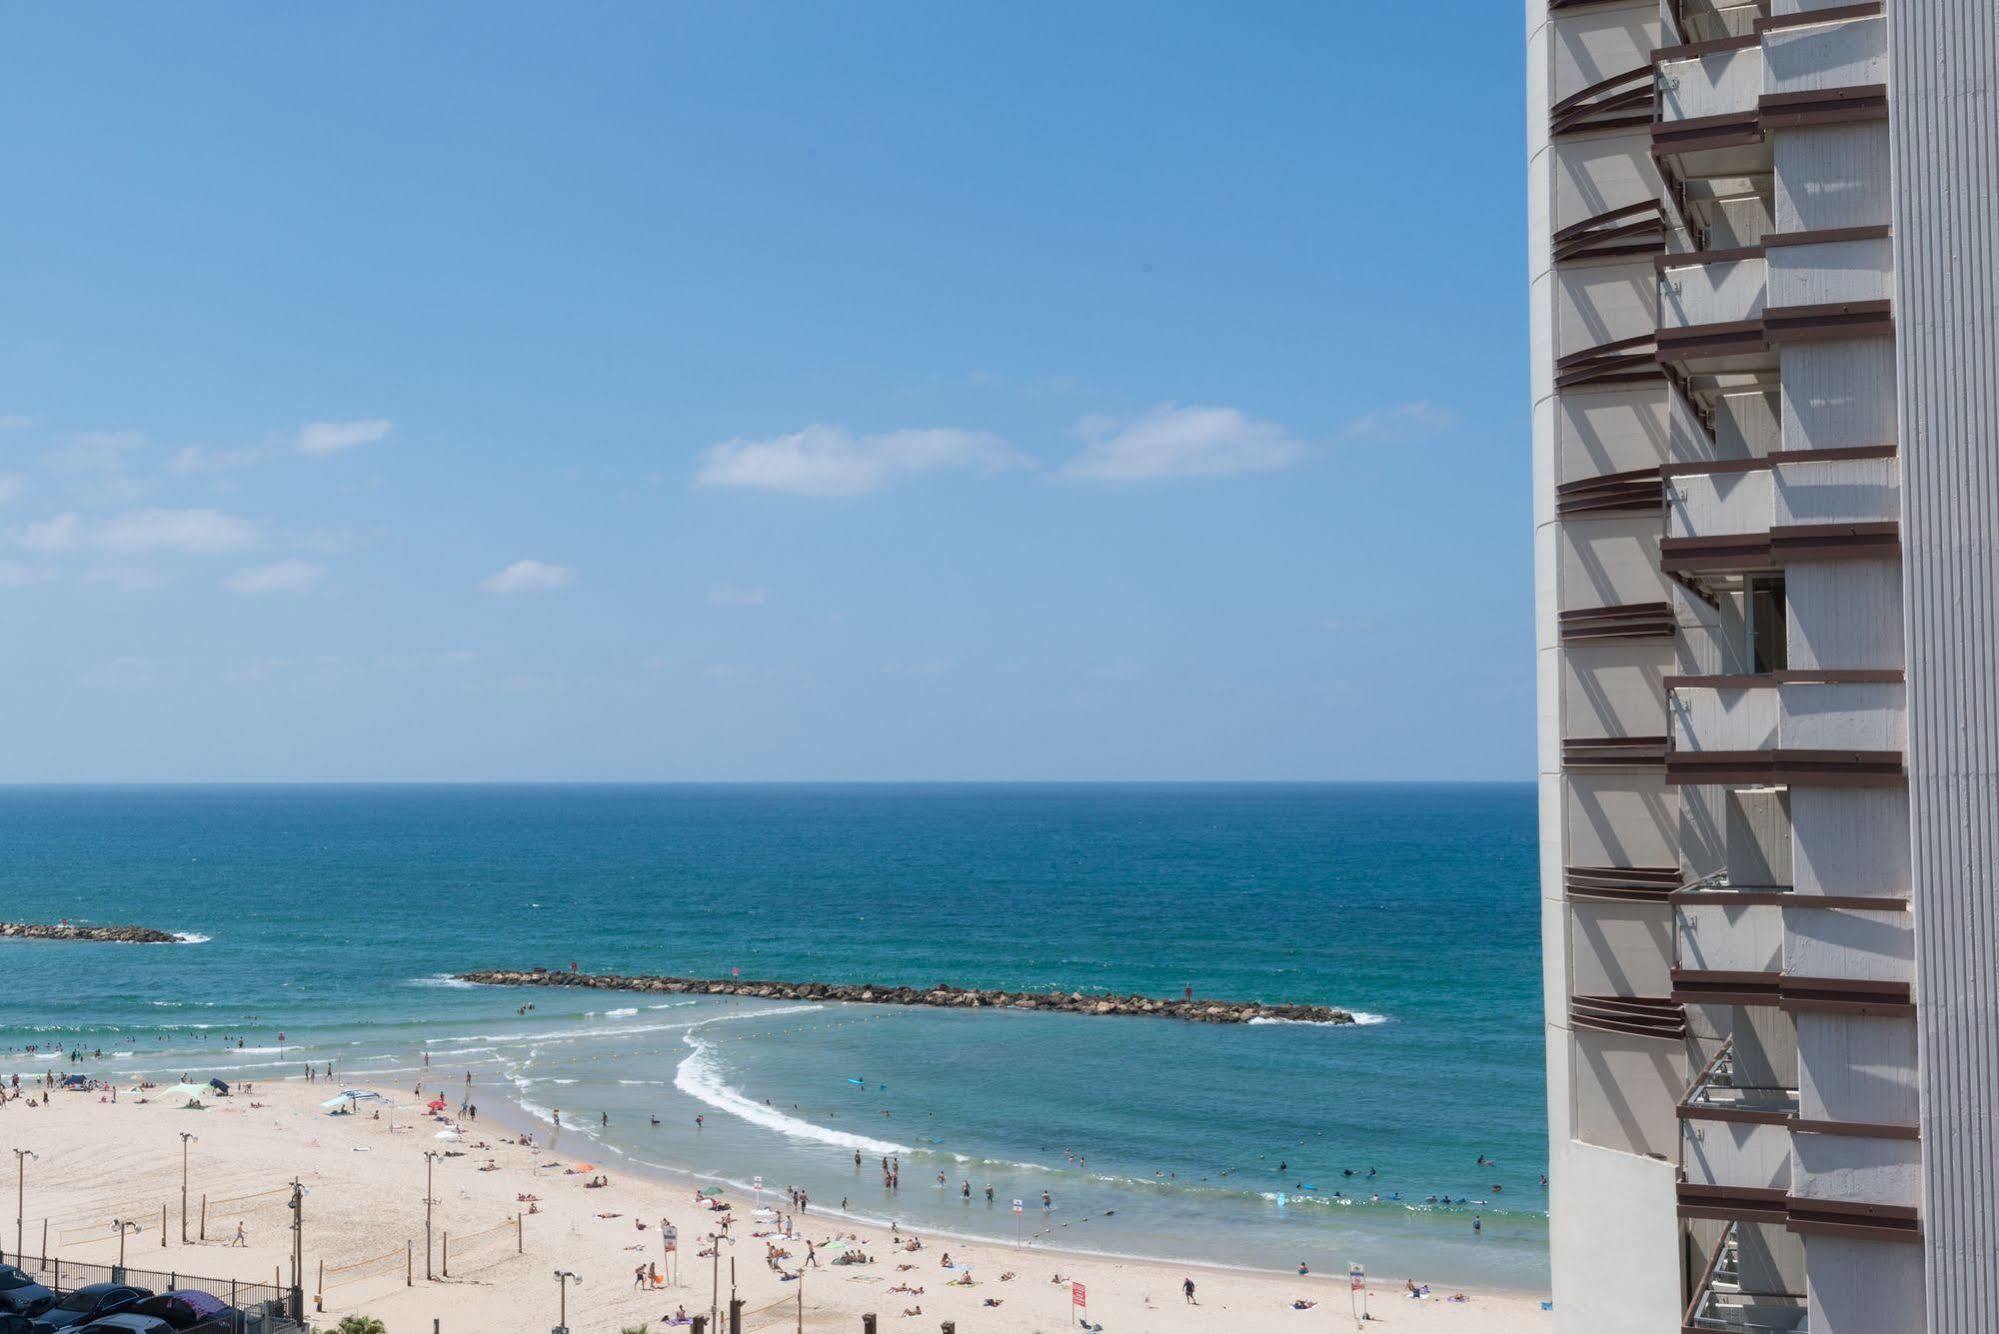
(1190, 1009)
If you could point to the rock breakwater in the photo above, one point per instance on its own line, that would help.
(121, 935)
(1192, 1010)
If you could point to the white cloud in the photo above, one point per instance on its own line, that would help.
(201, 458)
(1404, 421)
(286, 576)
(10, 485)
(13, 574)
(827, 461)
(528, 576)
(332, 437)
(198, 531)
(194, 531)
(52, 534)
(725, 595)
(94, 461)
(1172, 441)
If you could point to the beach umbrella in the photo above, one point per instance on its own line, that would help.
(186, 1092)
(449, 1134)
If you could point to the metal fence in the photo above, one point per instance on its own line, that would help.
(262, 1307)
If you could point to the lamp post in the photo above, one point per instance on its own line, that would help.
(297, 1206)
(185, 1138)
(563, 1278)
(123, 1227)
(21, 1157)
(429, 1164)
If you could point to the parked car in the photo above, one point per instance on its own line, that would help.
(187, 1309)
(21, 1295)
(20, 1324)
(127, 1322)
(91, 1301)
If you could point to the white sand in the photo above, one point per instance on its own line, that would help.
(365, 1186)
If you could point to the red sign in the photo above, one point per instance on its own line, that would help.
(1077, 1297)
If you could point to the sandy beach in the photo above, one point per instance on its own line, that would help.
(100, 1160)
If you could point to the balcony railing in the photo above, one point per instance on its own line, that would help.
(1720, 1303)
(1715, 82)
(1845, 728)
(1714, 1094)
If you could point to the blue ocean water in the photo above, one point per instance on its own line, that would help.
(333, 915)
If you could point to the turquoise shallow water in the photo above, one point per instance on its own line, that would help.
(331, 915)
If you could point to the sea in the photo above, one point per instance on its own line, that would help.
(324, 924)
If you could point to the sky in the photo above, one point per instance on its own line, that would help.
(656, 391)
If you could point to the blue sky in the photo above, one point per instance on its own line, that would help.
(636, 391)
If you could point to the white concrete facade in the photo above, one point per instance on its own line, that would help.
(1765, 398)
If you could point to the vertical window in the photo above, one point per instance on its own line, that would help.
(1764, 607)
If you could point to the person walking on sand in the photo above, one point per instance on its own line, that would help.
(1187, 1288)
(240, 1239)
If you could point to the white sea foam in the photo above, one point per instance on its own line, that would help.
(573, 1034)
(444, 980)
(1361, 1019)
(670, 1005)
(626, 1013)
(698, 1077)
(192, 937)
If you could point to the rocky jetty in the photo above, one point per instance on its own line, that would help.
(1199, 1011)
(121, 935)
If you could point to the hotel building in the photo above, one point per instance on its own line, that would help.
(1765, 343)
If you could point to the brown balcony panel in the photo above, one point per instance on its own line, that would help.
(1614, 752)
(1621, 884)
(1624, 361)
(1836, 541)
(1829, 322)
(1809, 17)
(1613, 492)
(1723, 897)
(1722, 552)
(1635, 620)
(1811, 768)
(1734, 338)
(1747, 1204)
(1765, 462)
(1631, 1016)
(1700, 134)
(1635, 229)
(1823, 106)
(1845, 995)
(1620, 102)
(1861, 1129)
(1842, 1218)
(1706, 986)
(1713, 47)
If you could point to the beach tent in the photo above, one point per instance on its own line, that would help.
(347, 1097)
(185, 1093)
(219, 1086)
(449, 1134)
(76, 1081)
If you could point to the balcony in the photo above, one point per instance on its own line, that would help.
(1710, 311)
(1708, 125)
(1726, 517)
(1721, 1303)
(1828, 728)
(1717, 1094)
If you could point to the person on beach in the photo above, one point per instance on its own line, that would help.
(639, 1277)
(1187, 1290)
(240, 1239)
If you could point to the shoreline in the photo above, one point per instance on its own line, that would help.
(363, 1207)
